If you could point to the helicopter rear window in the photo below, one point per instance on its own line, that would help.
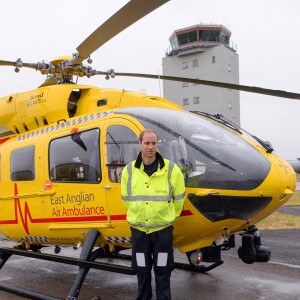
(209, 155)
(75, 158)
(22, 164)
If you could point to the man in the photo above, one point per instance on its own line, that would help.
(153, 192)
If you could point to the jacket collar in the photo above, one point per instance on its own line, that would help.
(139, 160)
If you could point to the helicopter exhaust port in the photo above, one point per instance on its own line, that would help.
(252, 250)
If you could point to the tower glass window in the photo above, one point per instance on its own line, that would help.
(187, 37)
(209, 35)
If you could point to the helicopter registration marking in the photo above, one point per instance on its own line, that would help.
(36, 99)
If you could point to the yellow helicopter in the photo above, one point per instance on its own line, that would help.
(63, 147)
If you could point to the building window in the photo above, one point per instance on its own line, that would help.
(196, 100)
(22, 164)
(76, 158)
(213, 59)
(195, 63)
(230, 105)
(185, 84)
(186, 101)
(185, 65)
(229, 68)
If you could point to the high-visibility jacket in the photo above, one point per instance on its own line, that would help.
(153, 202)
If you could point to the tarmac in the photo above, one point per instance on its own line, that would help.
(233, 280)
(292, 210)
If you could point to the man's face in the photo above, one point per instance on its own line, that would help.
(149, 145)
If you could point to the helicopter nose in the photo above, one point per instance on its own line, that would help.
(287, 177)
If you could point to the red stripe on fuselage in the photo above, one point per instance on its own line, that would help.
(27, 216)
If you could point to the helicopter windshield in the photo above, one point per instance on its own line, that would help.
(209, 155)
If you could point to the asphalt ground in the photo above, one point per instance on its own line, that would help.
(292, 210)
(277, 279)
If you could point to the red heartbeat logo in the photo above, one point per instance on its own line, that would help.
(26, 211)
(24, 217)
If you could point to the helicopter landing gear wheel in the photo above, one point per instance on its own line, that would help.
(202, 260)
(205, 259)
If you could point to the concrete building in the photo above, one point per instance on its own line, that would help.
(203, 52)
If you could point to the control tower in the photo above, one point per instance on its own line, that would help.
(203, 52)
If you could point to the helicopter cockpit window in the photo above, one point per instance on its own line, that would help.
(75, 158)
(122, 147)
(209, 155)
(22, 164)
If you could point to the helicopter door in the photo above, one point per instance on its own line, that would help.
(121, 147)
(75, 171)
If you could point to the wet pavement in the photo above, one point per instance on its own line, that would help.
(292, 210)
(277, 279)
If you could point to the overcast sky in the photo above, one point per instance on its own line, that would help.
(267, 34)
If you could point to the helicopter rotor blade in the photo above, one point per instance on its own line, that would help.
(126, 16)
(238, 87)
(18, 63)
(7, 63)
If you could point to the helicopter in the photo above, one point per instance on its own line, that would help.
(63, 147)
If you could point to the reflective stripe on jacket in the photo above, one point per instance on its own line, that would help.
(154, 202)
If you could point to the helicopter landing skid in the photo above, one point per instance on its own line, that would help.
(85, 263)
(178, 265)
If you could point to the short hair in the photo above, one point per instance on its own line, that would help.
(147, 130)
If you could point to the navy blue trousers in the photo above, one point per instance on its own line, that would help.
(154, 249)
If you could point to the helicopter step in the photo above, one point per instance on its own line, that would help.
(85, 263)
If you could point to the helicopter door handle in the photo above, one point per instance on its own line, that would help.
(107, 187)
